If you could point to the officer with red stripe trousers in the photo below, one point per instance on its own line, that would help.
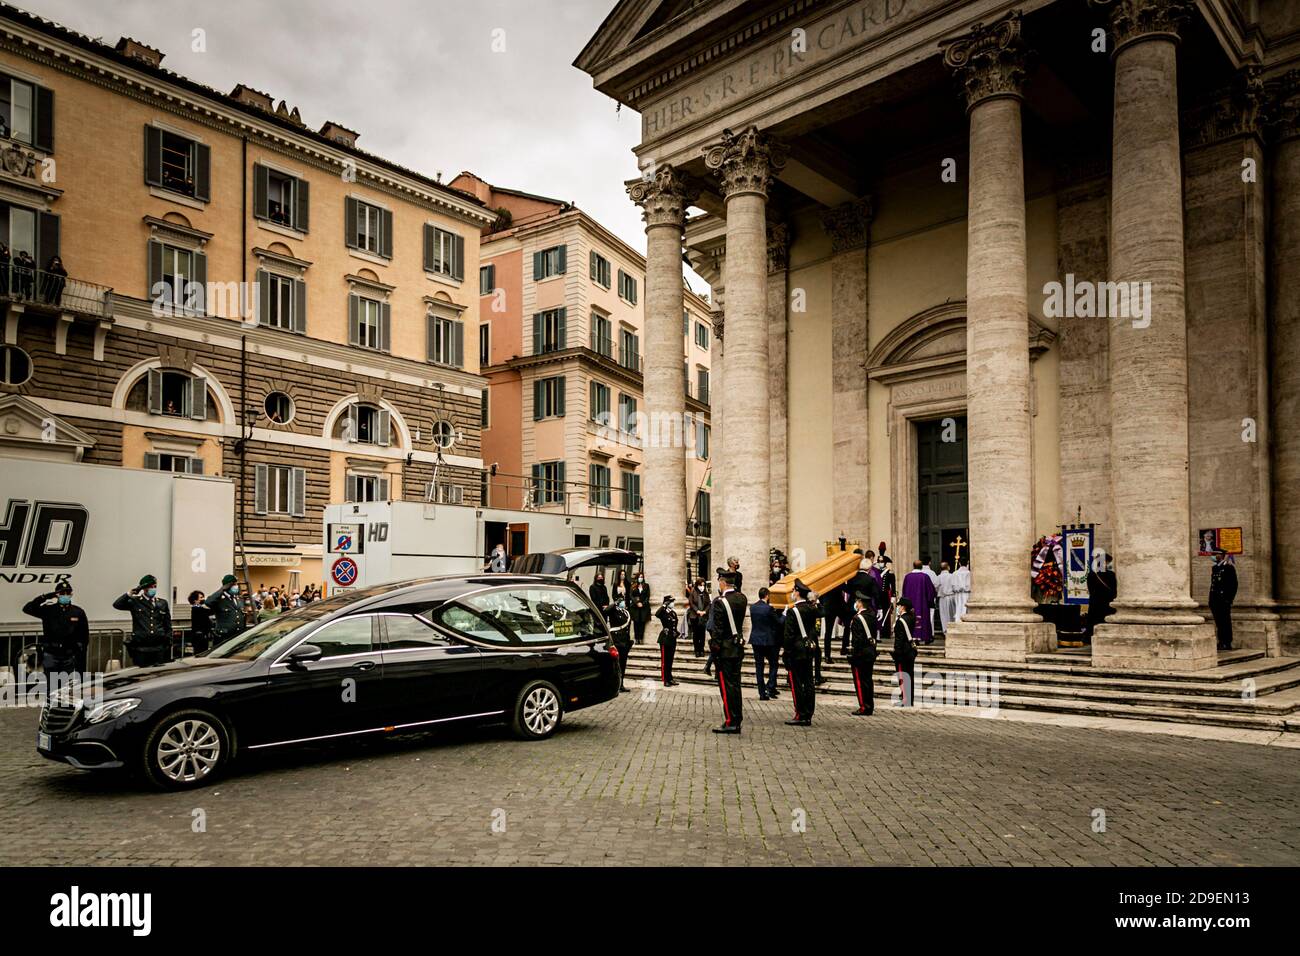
(727, 647)
(799, 647)
(667, 616)
(862, 651)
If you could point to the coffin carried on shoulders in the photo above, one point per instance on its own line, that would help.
(821, 577)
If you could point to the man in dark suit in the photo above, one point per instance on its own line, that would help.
(727, 647)
(799, 646)
(765, 638)
(1223, 591)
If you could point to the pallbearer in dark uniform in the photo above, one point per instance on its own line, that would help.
(667, 617)
(727, 648)
(151, 623)
(1223, 591)
(862, 651)
(799, 647)
(620, 626)
(904, 652)
(227, 611)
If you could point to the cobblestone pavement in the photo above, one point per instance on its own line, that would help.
(641, 781)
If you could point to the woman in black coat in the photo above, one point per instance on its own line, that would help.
(200, 623)
(639, 607)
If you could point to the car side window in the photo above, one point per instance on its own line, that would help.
(352, 635)
(538, 614)
(466, 622)
(404, 631)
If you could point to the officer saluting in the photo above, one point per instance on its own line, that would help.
(862, 651)
(667, 616)
(151, 623)
(227, 613)
(726, 644)
(65, 634)
(799, 645)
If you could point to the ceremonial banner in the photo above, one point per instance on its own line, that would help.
(1078, 560)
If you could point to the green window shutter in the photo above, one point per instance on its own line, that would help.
(386, 233)
(559, 395)
(202, 172)
(302, 203)
(537, 266)
(539, 392)
(538, 324)
(562, 337)
(47, 238)
(299, 305)
(43, 121)
(458, 258)
(152, 156)
(155, 391)
(354, 320)
(151, 461)
(261, 187)
(591, 270)
(298, 492)
(384, 425)
(385, 327)
(198, 398)
(194, 466)
(201, 280)
(259, 489)
(350, 488)
(350, 222)
(562, 267)
(458, 344)
(429, 238)
(263, 280)
(431, 337)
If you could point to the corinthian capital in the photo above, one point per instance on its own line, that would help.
(1132, 20)
(663, 197)
(989, 61)
(745, 162)
(847, 225)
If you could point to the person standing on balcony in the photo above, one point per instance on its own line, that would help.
(24, 273)
(54, 280)
(640, 607)
(4, 269)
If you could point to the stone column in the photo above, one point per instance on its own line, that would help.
(1284, 346)
(778, 292)
(1156, 625)
(848, 225)
(1000, 623)
(663, 200)
(745, 164)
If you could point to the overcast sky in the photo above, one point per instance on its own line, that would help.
(418, 79)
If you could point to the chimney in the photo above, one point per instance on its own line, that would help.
(251, 97)
(139, 51)
(340, 134)
(469, 183)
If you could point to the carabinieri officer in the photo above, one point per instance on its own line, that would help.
(727, 646)
(151, 623)
(799, 647)
(862, 651)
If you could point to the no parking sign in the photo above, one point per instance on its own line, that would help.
(344, 572)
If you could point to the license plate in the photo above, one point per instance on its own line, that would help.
(43, 741)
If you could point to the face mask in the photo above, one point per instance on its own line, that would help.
(65, 598)
(152, 592)
(234, 589)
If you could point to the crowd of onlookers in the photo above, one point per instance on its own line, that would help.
(21, 278)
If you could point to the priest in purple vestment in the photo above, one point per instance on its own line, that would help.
(919, 589)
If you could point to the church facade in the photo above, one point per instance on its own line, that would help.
(984, 270)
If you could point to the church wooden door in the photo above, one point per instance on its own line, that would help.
(941, 482)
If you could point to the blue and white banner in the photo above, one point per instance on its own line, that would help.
(1078, 561)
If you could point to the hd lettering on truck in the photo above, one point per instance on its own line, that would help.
(44, 537)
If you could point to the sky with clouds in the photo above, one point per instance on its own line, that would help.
(418, 79)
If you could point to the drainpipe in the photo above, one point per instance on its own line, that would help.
(242, 445)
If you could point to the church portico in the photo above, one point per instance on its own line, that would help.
(948, 173)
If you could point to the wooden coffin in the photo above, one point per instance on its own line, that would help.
(821, 577)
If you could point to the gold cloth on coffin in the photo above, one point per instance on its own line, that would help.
(821, 577)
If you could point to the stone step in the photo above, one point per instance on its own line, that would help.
(1270, 677)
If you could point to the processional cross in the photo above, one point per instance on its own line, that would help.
(957, 544)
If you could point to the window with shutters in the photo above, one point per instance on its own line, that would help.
(600, 270)
(176, 276)
(484, 344)
(279, 490)
(702, 336)
(631, 491)
(176, 394)
(627, 414)
(17, 102)
(487, 279)
(179, 464)
(483, 408)
(703, 517)
(368, 236)
(627, 287)
(548, 483)
(549, 262)
(444, 253)
(447, 337)
(444, 493)
(280, 302)
(179, 163)
(600, 403)
(368, 424)
(629, 350)
(701, 440)
(366, 487)
(601, 491)
(369, 323)
(549, 331)
(548, 397)
(702, 385)
(602, 335)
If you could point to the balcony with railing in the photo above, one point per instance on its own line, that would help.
(698, 391)
(602, 345)
(55, 291)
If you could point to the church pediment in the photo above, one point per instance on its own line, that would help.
(29, 431)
